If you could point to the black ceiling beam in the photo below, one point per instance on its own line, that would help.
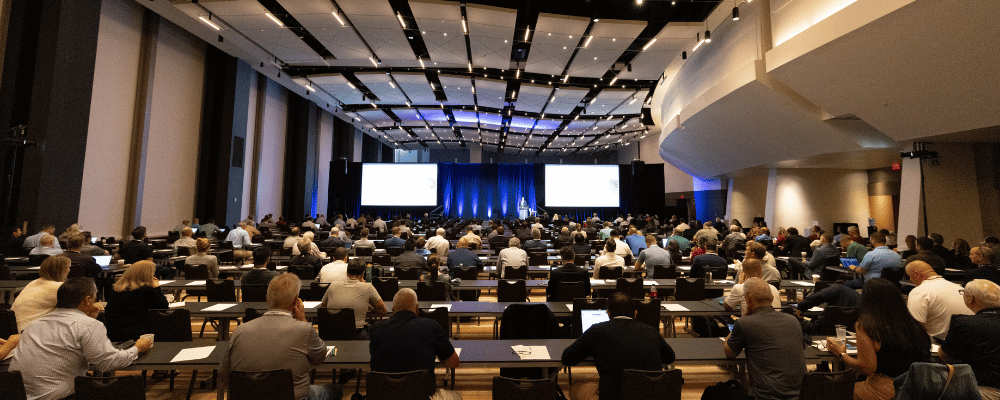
(360, 86)
(683, 11)
(412, 31)
(295, 27)
(652, 29)
(503, 111)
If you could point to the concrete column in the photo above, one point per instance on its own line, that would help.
(772, 189)
(910, 211)
(475, 153)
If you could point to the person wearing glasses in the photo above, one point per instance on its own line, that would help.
(972, 339)
(982, 257)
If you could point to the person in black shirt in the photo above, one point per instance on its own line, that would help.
(137, 292)
(564, 239)
(981, 256)
(404, 343)
(835, 295)
(13, 244)
(972, 339)
(309, 261)
(580, 245)
(135, 250)
(795, 244)
(333, 241)
(259, 275)
(710, 262)
(619, 344)
(499, 241)
(535, 244)
(409, 258)
(566, 273)
(925, 253)
(82, 262)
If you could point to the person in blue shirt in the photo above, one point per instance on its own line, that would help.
(394, 245)
(462, 256)
(635, 241)
(765, 236)
(875, 261)
(239, 238)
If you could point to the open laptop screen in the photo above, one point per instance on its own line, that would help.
(848, 262)
(103, 261)
(590, 317)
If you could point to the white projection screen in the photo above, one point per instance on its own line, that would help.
(581, 185)
(399, 184)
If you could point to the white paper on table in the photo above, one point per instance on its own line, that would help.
(648, 283)
(683, 267)
(532, 352)
(35, 268)
(816, 309)
(570, 307)
(782, 258)
(281, 267)
(725, 282)
(457, 351)
(675, 307)
(804, 283)
(611, 281)
(176, 305)
(448, 306)
(219, 307)
(544, 267)
(192, 283)
(310, 304)
(935, 348)
(194, 353)
(483, 257)
(228, 268)
(165, 282)
(596, 281)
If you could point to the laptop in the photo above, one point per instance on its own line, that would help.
(589, 318)
(103, 261)
(848, 262)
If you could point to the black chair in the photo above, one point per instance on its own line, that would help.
(526, 321)
(398, 386)
(523, 389)
(383, 259)
(689, 289)
(665, 272)
(254, 292)
(514, 291)
(510, 272)
(829, 385)
(599, 303)
(834, 315)
(8, 323)
(386, 287)
(12, 386)
(407, 274)
(611, 272)
(440, 315)
(567, 291)
(36, 259)
(173, 325)
(538, 258)
(663, 385)
(277, 385)
(893, 275)
(317, 291)
(195, 272)
(648, 312)
(432, 291)
(304, 272)
(628, 259)
(466, 274)
(110, 388)
(582, 259)
(183, 251)
(364, 251)
(631, 287)
(336, 325)
(251, 314)
(219, 291)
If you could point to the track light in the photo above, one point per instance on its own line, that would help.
(210, 23)
(613, 80)
(708, 36)
(275, 19)
(401, 22)
(337, 16)
(648, 44)
(372, 59)
(465, 28)
(527, 32)
(736, 13)
(587, 43)
(421, 62)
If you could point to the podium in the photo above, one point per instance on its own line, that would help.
(523, 212)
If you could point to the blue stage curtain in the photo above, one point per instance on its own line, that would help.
(485, 190)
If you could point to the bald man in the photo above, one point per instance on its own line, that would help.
(973, 340)
(982, 257)
(934, 300)
(752, 268)
(463, 257)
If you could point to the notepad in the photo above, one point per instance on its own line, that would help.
(448, 306)
(194, 353)
(35, 268)
(219, 307)
(648, 283)
(228, 268)
(165, 282)
(532, 352)
(177, 305)
(816, 309)
(310, 304)
(544, 267)
(675, 307)
(193, 283)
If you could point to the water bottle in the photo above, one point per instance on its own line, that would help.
(652, 292)
(708, 277)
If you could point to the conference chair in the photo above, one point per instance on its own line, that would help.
(690, 289)
(364, 251)
(8, 323)
(527, 321)
(432, 291)
(439, 315)
(515, 272)
(256, 293)
(467, 274)
(829, 385)
(36, 259)
(304, 272)
(665, 272)
(316, 291)
(663, 385)
(512, 290)
(538, 258)
(183, 251)
(218, 291)
(631, 286)
(648, 312)
(407, 274)
(195, 272)
(173, 325)
(598, 303)
(382, 259)
(251, 314)
(628, 259)
(386, 287)
(12, 386)
(395, 386)
(893, 275)
(611, 272)
(524, 389)
(4, 271)
(110, 388)
(567, 291)
(277, 385)
(582, 259)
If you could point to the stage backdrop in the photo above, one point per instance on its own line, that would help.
(489, 191)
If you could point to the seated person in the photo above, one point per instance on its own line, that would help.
(607, 259)
(435, 272)
(566, 273)
(751, 269)
(973, 340)
(305, 259)
(201, 257)
(46, 246)
(363, 242)
(85, 263)
(838, 295)
(498, 240)
(536, 244)
(463, 257)
(336, 270)
(710, 261)
(292, 239)
(410, 258)
(136, 292)
(512, 256)
(354, 293)
(580, 245)
(39, 297)
(259, 275)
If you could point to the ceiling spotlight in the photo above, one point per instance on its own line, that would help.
(736, 13)
(337, 16)
(275, 19)
(708, 36)
(638, 1)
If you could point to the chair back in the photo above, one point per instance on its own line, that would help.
(648, 312)
(183, 251)
(512, 290)
(303, 271)
(251, 314)
(523, 389)
(285, 251)
(364, 251)
(76, 271)
(514, 272)
(223, 290)
(432, 291)
(336, 324)
(8, 323)
(383, 259)
(36, 259)
(278, 385)
(317, 291)
(628, 259)
(254, 292)
(414, 385)
(466, 274)
(828, 385)
(196, 272)
(582, 259)
(538, 258)
(665, 272)
(611, 272)
(110, 388)
(631, 287)
(690, 289)
(567, 291)
(599, 303)
(407, 273)
(173, 325)
(440, 315)
(12, 386)
(664, 385)
(893, 275)
(834, 315)
(386, 287)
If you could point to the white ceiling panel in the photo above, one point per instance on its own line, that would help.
(532, 98)
(416, 87)
(490, 119)
(440, 25)
(458, 89)
(317, 18)
(630, 107)
(553, 41)
(670, 41)
(490, 92)
(492, 34)
(379, 84)
(376, 117)
(611, 39)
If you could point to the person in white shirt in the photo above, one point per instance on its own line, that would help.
(608, 258)
(186, 239)
(751, 269)
(755, 250)
(934, 300)
(308, 224)
(239, 238)
(354, 293)
(379, 224)
(66, 343)
(621, 248)
(538, 224)
(292, 239)
(513, 256)
(351, 222)
(313, 248)
(39, 297)
(335, 271)
(47, 246)
(33, 241)
(683, 226)
(439, 245)
(473, 238)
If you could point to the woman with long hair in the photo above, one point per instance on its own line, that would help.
(674, 249)
(39, 297)
(435, 272)
(888, 341)
(135, 293)
(961, 250)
